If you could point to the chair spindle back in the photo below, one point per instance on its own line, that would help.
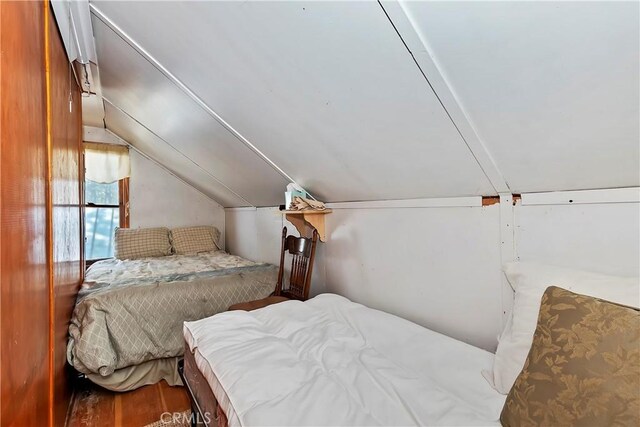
(302, 251)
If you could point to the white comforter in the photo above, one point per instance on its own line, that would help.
(329, 361)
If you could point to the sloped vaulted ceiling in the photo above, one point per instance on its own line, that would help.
(369, 101)
(552, 87)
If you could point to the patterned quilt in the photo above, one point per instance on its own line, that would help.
(130, 312)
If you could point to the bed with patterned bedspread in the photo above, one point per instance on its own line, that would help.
(126, 328)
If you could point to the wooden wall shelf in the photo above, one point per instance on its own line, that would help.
(304, 220)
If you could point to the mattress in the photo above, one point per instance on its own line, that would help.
(329, 361)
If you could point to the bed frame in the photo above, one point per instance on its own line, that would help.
(205, 410)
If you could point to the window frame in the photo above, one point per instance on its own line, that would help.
(123, 206)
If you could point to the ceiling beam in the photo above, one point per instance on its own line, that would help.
(418, 48)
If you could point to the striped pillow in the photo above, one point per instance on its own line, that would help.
(194, 240)
(142, 243)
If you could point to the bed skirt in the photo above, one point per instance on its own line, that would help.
(136, 376)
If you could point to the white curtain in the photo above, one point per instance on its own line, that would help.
(106, 163)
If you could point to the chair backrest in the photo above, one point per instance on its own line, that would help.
(302, 251)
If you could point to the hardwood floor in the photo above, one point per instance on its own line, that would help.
(96, 407)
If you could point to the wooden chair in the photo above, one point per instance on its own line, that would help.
(302, 251)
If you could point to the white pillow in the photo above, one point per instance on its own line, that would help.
(529, 281)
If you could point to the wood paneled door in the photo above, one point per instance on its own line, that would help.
(40, 217)
(65, 144)
(24, 289)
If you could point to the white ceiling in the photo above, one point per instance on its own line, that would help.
(158, 150)
(132, 84)
(552, 87)
(236, 97)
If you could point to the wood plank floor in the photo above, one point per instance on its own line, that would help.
(94, 406)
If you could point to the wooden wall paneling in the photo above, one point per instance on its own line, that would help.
(24, 290)
(64, 124)
(123, 195)
(49, 205)
(81, 171)
(41, 263)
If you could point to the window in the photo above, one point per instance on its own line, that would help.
(105, 209)
(106, 197)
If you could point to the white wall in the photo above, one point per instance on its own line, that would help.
(601, 237)
(158, 198)
(440, 266)
(256, 233)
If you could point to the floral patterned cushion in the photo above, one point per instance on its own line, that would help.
(583, 368)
